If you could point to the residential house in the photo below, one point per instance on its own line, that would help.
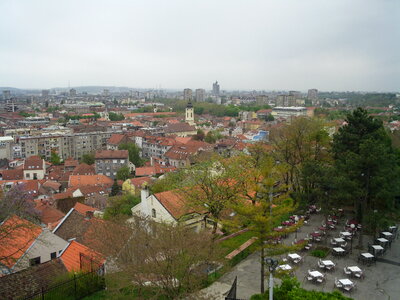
(26, 244)
(80, 258)
(16, 174)
(179, 155)
(171, 207)
(108, 162)
(90, 180)
(34, 168)
(70, 164)
(180, 129)
(156, 146)
(84, 169)
(115, 140)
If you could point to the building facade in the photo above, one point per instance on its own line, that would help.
(200, 95)
(108, 162)
(187, 94)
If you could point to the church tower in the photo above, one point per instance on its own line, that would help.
(189, 116)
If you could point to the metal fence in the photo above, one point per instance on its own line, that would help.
(74, 288)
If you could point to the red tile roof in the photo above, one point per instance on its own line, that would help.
(174, 203)
(83, 180)
(16, 236)
(116, 139)
(139, 181)
(49, 214)
(31, 187)
(110, 154)
(84, 169)
(75, 255)
(13, 174)
(70, 162)
(33, 163)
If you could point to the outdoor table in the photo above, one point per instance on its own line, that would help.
(294, 256)
(382, 240)
(392, 229)
(367, 255)
(330, 223)
(345, 233)
(378, 249)
(285, 267)
(338, 250)
(322, 228)
(339, 240)
(299, 242)
(315, 234)
(315, 274)
(346, 282)
(387, 234)
(287, 223)
(327, 263)
(354, 269)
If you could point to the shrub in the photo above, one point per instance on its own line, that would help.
(319, 253)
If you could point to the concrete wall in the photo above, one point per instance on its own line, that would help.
(42, 247)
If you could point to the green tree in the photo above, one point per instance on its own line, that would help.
(55, 158)
(199, 135)
(262, 203)
(88, 158)
(115, 117)
(123, 173)
(120, 206)
(134, 153)
(115, 189)
(367, 165)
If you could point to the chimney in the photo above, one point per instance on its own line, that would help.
(144, 194)
(88, 215)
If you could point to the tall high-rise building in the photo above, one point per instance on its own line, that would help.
(72, 92)
(6, 95)
(187, 94)
(45, 93)
(295, 94)
(215, 88)
(312, 94)
(200, 95)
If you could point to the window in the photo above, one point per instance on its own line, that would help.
(34, 261)
(153, 213)
(115, 161)
(122, 161)
(53, 255)
(28, 175)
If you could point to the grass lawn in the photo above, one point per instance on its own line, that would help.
(231, 244)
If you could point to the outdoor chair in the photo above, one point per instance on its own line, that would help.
(358, 275)
(308, 246)
(337, 283)
(320, 279)
(333, 242)
(344, 245)
(330, 267)
(320, 264)
(346, 271)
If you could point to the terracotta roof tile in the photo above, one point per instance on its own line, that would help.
(83, 180)
(74, 255)
(110, 154)
(33, 163)
(13, 174)
(49, 214)
(83, 208)
(116, 139)
(175, 203)
(84, 169)
(16, 236)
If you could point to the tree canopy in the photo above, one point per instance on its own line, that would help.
(134, 153)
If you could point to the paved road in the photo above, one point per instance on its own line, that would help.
(382, 280)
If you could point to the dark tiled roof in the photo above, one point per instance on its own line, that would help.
(29, 281)
(84, 169)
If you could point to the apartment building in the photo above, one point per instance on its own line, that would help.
(108, 162)
(71, 145)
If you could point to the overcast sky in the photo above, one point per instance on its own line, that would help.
(247, 44)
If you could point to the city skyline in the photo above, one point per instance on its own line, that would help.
(257, 45)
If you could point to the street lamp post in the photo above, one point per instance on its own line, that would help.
(352, 226)
(272, 263)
